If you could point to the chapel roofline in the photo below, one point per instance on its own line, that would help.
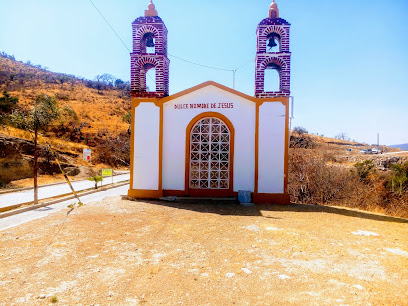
(217, 85)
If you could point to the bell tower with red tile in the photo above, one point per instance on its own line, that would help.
(273, 53)
(149, 51)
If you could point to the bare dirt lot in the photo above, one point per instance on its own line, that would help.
(119, 252)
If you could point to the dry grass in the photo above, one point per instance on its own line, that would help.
(57, 143)
(326, 175)
(102, 111)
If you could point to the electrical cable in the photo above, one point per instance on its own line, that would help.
(110, 25)
(197, 64)
(181, 59)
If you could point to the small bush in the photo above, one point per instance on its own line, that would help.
(300, 130)
(313, 181)
(398, 181)
(302, 141)
(7, 103)
(364, 169)
(94, 176)
(114, 151)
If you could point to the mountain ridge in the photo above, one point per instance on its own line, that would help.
(403, 146)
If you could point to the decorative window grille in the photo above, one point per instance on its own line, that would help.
(209, 154)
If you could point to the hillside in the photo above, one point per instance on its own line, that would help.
(401, 146)
(99, 105)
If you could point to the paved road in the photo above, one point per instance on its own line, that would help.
(15, 220)
(51, 191)
(392, 153)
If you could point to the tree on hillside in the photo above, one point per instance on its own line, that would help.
(63, 79)
(108, 79)
(300, 130)
(342, 136)
(7, 103)
(398, 181)
(119, 83)
(99, 84)
(128, 119)
(44, 112)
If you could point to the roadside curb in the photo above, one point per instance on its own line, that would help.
(48, 185)
(25, 209)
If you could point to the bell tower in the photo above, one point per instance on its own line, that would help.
(273, 53)
(149, 52)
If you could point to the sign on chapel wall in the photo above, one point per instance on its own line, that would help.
(203, 105)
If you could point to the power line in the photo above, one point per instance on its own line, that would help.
(181, 59)
(252, 60)
(197, 64)
(110, 25)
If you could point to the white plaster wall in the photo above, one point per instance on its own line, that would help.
(146, 147)
(271, 171)
(242, 117)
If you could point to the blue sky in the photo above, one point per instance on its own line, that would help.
(349, 58)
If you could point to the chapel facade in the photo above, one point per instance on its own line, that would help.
(209, 140)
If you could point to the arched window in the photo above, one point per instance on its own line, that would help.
(210, 156)
(149, 43)
(150, 78)
(273, 43)
(272, 78)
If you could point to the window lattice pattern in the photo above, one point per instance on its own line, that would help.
(209, 155)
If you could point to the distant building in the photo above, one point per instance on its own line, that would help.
(209, 140)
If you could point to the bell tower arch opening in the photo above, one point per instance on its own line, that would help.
(273, 43)
(151, 77)
(272, 78)
(149, 43)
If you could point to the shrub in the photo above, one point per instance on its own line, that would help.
(398, 181)
(95, 179)
(7, 102)
(313, 181)
(302, 141)
(114, 151)
(300, 130)
(364, 169)
(94, 176)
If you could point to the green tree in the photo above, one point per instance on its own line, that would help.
(38, 118)
(364, 169)
(119, 83)
(94, 176)
(128, 119)
(7, 102)
(95, 179)
(62, 78)
(398, 181)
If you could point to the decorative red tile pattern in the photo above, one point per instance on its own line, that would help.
(280, 59)
(141, 61)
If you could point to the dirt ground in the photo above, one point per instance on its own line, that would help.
(119, 252)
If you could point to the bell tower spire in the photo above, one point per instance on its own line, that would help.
(273, 10)
(151, 10)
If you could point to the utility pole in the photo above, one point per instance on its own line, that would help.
(378, 139)
(291, 112)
